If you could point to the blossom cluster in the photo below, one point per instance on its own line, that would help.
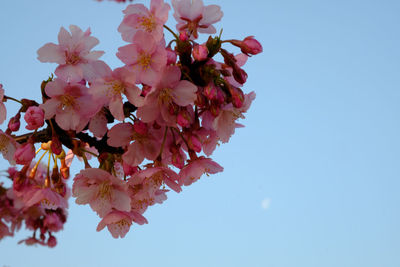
(152, 124)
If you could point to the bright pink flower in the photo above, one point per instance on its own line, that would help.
(194, 17)
(168, 91)
(111, 87)
(71, 104)
(34, 117)
(139, 18)
(8, 146)
(119, 223)
(200, 52)
(101, 190)
(24, 153)
(196, 168)
(73, 54)
(146, 57)
(3, 110)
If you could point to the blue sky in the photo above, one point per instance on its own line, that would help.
(313, 178)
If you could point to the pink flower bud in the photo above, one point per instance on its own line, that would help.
(24, 154)
(56, 146)
(237, 97)
(34, 117)
(52, 242)
(183, 118)
(248, 46)
(251, 46)
(210, 91)
(171, 56)
(14, 123)
(200, 52)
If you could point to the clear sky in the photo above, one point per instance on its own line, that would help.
(311, 181)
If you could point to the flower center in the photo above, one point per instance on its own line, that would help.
(116, 87)
(145, 60)
(147, 23)
(165, 96)
(67, 101)
(105, 191)
(72, 58)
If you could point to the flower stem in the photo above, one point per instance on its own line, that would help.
(12, 98)
(171, 31)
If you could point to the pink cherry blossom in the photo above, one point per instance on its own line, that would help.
(194, 17)
(168, 91)
(111, 87)
(71, 104)
(225, 123)
(76, 61)
(119, 223)
(139, 18)
(34, 117)
(146, 57)
(8, 146)
(101, 190)
(196, 168)
(3, 110)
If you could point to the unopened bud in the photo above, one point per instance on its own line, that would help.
(14, 123)
(200, 52)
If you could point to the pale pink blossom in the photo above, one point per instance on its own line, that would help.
(196, 168)
(74, 56)
(139, 18)
(144, 145)
(170, 90)
(24, 153)
(34, 117)
(119, 223)
(8, 146)
(146, 57)
(101, 190)
(111, 87)
(3, 110)
(70, 103)
(225, 123)
(193, 17)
